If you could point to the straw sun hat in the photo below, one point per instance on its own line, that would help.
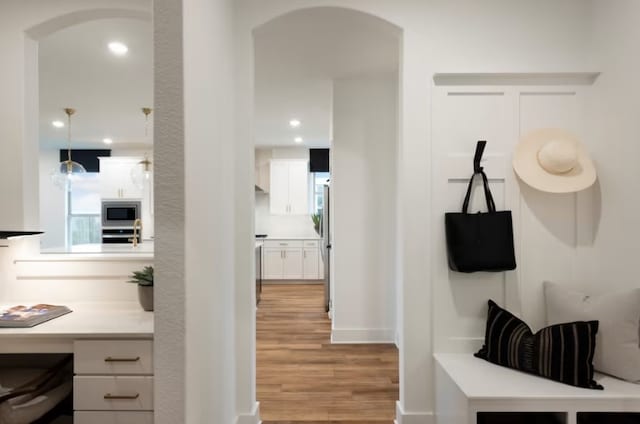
(553, 160)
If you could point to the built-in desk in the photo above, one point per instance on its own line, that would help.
(95, 320)
(112, 344)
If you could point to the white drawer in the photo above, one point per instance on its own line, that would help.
(112, 417)
(311, 243)
(113, 393)
(113, 357)
(283, 243)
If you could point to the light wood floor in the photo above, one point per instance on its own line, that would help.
(301, 377)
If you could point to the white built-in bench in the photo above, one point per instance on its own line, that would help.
(467, 386)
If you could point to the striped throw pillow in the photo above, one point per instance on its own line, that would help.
(562, 352)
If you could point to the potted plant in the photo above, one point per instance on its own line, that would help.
(144, 279)
(316, 218)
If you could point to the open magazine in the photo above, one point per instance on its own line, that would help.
(28, 316)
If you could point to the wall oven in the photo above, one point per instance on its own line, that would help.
(118, 217)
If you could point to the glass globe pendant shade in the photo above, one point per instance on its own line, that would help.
(141, 174)
(63, 173)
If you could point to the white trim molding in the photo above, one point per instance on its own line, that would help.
(251, 418)
(403, 417)
(363, 335)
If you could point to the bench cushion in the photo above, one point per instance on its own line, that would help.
(562, 352)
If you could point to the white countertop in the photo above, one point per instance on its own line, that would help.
(91, 252)
(89, 320)
(145, 247)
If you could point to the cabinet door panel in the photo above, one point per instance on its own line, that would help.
(115, 178)
(298, 188)
(272, 263)
(279, 188)
(310, 264)
(292, 264)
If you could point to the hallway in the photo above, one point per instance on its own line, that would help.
(301, 377)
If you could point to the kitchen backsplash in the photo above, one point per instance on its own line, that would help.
(281, 225)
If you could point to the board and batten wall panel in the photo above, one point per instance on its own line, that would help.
(545, 225)
(461, 117)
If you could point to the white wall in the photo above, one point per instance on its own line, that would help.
(445, 36)
(610, 261)
(363, 191)
(52, 202)
(437, 36)
(196, 233)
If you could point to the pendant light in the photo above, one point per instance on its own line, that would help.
(63, 174)
(141, 173)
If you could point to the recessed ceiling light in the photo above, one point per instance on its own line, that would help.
(107, 140)
(294, 123)
(298, 139)
(58, 124)
(118, 48)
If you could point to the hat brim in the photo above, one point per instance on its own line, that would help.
(526, 165)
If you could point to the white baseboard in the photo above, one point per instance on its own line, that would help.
(365, 335)
(251, 418)
(403, 417)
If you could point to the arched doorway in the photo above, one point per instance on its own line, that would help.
(334, 70)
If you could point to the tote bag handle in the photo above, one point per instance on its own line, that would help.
(478, 170)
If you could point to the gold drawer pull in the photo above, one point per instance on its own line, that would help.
(110, 359)
(109, 396)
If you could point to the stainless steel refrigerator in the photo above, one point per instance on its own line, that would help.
(325, 230)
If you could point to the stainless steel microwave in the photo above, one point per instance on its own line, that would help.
(120, 213)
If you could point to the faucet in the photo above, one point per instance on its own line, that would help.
(137, 234)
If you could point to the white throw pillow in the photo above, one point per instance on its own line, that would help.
(618, 340)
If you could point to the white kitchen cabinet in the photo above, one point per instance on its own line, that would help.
(272, 263)
(115, 178)
(310, 263)
(289, 187)
(290, 260)
(292, 263)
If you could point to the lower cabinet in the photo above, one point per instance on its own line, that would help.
(113, 382)
(290, 260)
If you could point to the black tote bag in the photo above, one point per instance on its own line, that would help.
(480, 241)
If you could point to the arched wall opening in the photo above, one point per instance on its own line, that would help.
(338, 70)
(31, 144)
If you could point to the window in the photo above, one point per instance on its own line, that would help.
(320, 179)
(83, 216)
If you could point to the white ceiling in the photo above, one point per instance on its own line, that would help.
(76, 69)
(297, 56)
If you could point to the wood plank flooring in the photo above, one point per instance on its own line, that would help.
(302, 378)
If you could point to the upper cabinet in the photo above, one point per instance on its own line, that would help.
(115, 178)
(289, 187)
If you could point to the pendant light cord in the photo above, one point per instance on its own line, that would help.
(69, 111)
